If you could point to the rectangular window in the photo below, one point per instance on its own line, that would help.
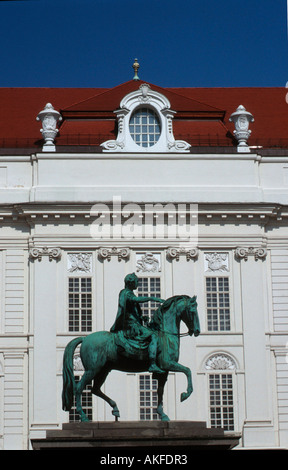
(151, 287)
(218, 303)
(148, 398)
(221, 401)
(86, 402)
(80, 304)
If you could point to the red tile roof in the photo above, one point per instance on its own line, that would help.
(202, 114)
(268, 106)
(20, 106)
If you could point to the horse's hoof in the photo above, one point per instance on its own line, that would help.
(184, 396)
(116, 413)
(165, 418)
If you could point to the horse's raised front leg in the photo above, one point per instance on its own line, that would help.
(176, 367)
(162, 378)
(98, 382)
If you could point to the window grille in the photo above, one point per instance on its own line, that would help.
(148, 398)
(80, 304)
(221, 401)
(151, 287)
(218, 303)
(86, 403)
(144, 127)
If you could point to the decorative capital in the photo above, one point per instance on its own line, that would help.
(243, 253)
(107, 253)
(175, 253)
(52, 253)
(49, 118)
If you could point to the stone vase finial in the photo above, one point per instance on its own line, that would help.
(242, 119)
(49, 118)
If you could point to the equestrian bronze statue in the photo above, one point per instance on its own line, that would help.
(132, 346)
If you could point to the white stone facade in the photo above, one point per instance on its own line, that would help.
(47, 214)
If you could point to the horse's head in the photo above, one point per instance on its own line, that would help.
(172, 311)
(190, 315)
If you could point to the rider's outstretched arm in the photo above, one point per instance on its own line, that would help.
(143, 299)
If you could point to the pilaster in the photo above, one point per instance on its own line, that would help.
(258, 427)
(45, 290)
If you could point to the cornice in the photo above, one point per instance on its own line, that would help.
(221, 214)
(210, 211)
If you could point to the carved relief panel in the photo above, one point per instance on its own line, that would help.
(79, 263)
(148, 262)
(217, 262)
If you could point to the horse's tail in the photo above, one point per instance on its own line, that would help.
(68, 374)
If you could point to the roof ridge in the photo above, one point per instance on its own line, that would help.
(107, 90)
(163, 90)
(86, 99)
(196, 101)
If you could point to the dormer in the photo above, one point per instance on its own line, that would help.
(145, 124)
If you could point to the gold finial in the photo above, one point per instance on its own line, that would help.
(136, 67)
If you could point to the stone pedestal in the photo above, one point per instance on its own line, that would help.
(168, 438)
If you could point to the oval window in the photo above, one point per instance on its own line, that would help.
(145, 127)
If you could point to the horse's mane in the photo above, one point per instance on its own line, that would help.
(158, 315)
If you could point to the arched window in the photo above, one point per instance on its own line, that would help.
(220, 371)
(145, 127)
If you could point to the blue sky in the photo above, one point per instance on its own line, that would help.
(93, 43)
